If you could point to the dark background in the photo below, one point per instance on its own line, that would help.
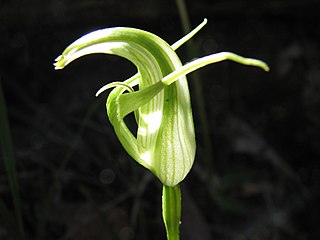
(256, 174)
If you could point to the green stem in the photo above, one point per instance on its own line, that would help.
(171, 211)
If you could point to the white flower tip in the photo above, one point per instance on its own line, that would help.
(59, 63)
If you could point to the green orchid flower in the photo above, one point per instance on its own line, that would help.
(165, 140)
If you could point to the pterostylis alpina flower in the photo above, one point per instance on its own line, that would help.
(165, 142)
(165, 139)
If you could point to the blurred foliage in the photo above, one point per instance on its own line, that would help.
(12, 220)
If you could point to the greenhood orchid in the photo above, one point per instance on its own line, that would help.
(165, 139)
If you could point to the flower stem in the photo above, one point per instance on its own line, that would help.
(171, 211)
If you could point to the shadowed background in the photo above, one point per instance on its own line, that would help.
(256, 173)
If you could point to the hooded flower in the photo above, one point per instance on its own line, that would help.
(165, 139)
